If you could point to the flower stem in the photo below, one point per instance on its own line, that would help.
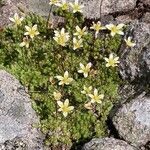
(49, 15)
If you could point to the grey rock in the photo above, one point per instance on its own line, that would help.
(14, 144)
(16, 114)
(135, 61)
(123, 19)
(92, 9)
(9, 8)
(146, 17)
(107, 144)
(146, 2)
(132, 121)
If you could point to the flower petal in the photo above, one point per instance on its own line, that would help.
(109, 26)
(66, 74)
(85, 75)
(113, 33)
(71, 108)
(34, 27)
(121, 32)
(80, 71)
(61, 83)
(12, 19)
(69, 80)
(27, 28)
(60, 104)
(95, 92)
(111, 56)
(89, 65)
(101, 96)
(66, 103)
(65, 114)
(82, 66)
(120, 26)
(90, 95)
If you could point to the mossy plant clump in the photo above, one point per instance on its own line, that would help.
(41, 63)
(2, 3)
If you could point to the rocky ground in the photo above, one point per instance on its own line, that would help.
(17, 117)
(130, 119)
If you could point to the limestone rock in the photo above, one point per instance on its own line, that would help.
(132, 121)
(135, 61)
(16, 114)
(107, 144)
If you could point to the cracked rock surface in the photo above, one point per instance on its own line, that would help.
(132, 121)
(92, 8)
(124, 10)
(107, 144)
(9, 8)
(146, 2)
(17, 115)
(146, 18)
(14, 144)
(135, 61)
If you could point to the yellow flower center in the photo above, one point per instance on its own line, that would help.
(65, 6)
(87, 90)
(18, 21)
(32, 32)
(112, 62)
(65, 109)
(76, 7)
(97, 27)
(86, 70)
(65, 80)
(114, 29)
(81, 33)
(61, 40)
(77, 45)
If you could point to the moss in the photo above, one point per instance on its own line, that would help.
(2, 2)
(37, 66)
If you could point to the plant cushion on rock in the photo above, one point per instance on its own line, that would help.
(69, 71)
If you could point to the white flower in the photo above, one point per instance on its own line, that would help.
(31, 31)
(61, 37)
(80, 32)
(88, 105)
(64, 79)
(76, 7)
(64, 5)
(53, 2)
(77, 43)
(111, 61)
(115, 29)
(16, 19)
(85, 69)
(96, 97)
(64, 107)
(25, 42)
(57, 95)
(129, 42)
(97, 27)
(86, 90)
